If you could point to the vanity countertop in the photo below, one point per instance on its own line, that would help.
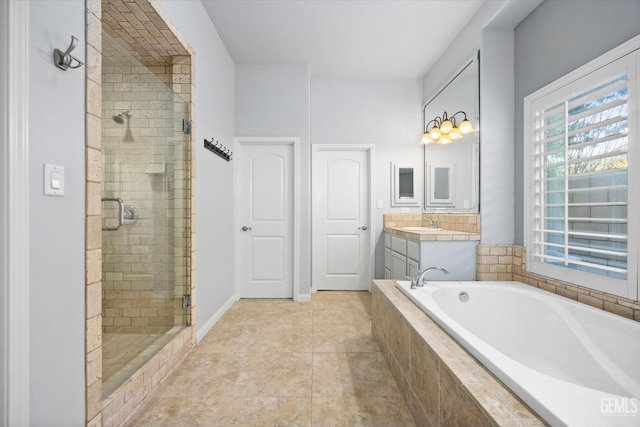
(432, 235)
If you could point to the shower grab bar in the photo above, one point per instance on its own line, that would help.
(120, 212)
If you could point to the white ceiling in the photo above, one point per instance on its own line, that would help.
(341, 38)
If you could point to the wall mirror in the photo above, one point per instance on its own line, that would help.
(441, 176)
(451, 171)
(404, 185)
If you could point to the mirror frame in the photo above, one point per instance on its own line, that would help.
(396, 198)
(475, 208)
(450, 184)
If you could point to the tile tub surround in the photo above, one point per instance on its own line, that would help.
(507, 262)
(442, 384)
(279, 362)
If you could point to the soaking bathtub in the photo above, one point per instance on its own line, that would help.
(573, 364)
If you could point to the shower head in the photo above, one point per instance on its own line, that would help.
(120, 117)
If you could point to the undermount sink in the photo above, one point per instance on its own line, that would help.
(421, 229)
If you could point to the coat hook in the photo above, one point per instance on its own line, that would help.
(63, 60)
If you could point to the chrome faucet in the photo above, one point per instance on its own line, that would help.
(418, 281)
(432, 223)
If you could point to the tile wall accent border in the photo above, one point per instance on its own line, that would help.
(131, 394)
(507, 262)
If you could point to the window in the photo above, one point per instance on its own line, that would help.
(581, 139)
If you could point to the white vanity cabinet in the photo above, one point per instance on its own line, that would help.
(407, 257)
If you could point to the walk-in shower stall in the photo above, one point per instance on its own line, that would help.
(145, 200)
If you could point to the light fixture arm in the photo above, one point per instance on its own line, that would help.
(453, 119)
(444, 129)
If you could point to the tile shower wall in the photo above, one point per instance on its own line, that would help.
(508, 262)
(145, 163)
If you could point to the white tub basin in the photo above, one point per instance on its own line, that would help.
(573, 364)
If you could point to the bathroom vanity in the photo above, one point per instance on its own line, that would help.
(406, 253)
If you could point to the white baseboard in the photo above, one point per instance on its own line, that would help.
(303, 298)
(201, 332)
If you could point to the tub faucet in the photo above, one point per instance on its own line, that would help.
(419, 282)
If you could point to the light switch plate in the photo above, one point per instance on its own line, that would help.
(53, 180)
(380, 204)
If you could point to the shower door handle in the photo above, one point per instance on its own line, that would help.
(120, 212)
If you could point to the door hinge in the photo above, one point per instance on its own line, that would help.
(186, 301)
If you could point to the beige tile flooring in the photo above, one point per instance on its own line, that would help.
(281, 363)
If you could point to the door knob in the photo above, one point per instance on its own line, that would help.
(364, 227)
(245, 228)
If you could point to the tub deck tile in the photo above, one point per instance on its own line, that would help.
(468, 394)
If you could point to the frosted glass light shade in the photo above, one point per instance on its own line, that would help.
(465, 127)
(455, 134)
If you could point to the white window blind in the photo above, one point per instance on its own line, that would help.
(580, 207)
(581, 161)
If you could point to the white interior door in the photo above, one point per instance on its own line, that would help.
(265, 220)
(341, 218)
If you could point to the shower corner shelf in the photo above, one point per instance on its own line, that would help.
(156, 168)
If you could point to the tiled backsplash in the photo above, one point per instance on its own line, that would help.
(469, 223)
(507, 262)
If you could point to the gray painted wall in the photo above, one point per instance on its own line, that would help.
(273, 101)
(56, 224)
(214, 118)
(56, 227)
(281, 100)
(555, 39)
(496, 137)
(459, 50)
(383, 112)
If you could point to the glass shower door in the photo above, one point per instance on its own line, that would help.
(145, 210)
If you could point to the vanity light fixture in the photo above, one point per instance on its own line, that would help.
(444, 130)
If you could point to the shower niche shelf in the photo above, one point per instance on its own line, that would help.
(156, 168)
